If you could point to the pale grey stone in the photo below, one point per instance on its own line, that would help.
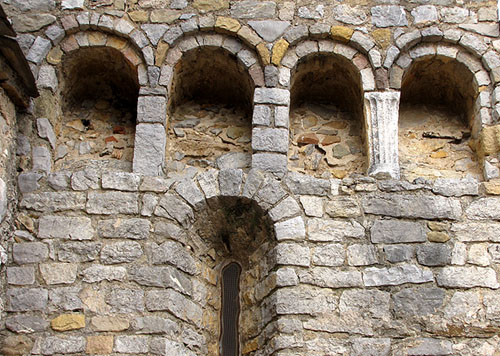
(149, 149)
(208, 181)
(371, 346)
(361, 41)
(39, 50)
(58, 273)
(434, 254)
(59, 180)
(86, 179)
(399, 253)
(176, 303)
(134, 228)
(149, 203)
(28, 182)
(178, 4)
(397, 231)
(247, 57)
(331, 278)
(484, 209)
(42, 160)
(58, 345)
(424, 14)
(314, 14)
(155, 325)
(63, 227)
(295, 33)
(349, 15)
(261, 115)
(79, 251)
(34, 5)
(292, 229)
(230, 181)
(270, 193)
(83, 19)
(464, 308)
(490, 171)
(98, 273)
(292, 254)
(459, 254)
(428, 346)
(270, 162)
(163, 346)
(456, 187)
(478, 255)
(23, 147)
(388, 16)
(250, 9)
(474, 43)
(408, 39)
(53, 201)
(271, 75)
(269, 139)
(286, 277)
(121, 252)
(312, 301)
(190, 192)
(492, 304)
(281, 113)
(27, 299)
(494, 251)
(124, 300)
(285, 209)
(485, 29)
(272, 96)
(131, 344)
(333, 230)
(26, 324)
(313, 206)
(29, 252)
(467, 277)
(302, 184)
(329, 255)
(361, 255)
(306, 48)
(418, 301)
(172, 207)
(25, 41)
(61, 152)
(155, 184)
(121, 181)
(20, 275)
(107, 203)
(343, 206)
(151, 109)
(269, 30)
(234, 160)
(172, 35)
(47, 79)
(31, 22)
(174, 253)
(413, 206)
(454, 14)
(165, 277)
(432, 34)
(72, 4)
(401, 274)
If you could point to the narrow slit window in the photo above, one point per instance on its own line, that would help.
(229, 345)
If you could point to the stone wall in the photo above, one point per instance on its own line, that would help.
(345, 154)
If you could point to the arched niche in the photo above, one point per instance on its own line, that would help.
(326, 115)
(437, 116)
(99, 90)
(210, 107)
(235, 230)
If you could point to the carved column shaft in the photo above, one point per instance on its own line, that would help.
(382, 114)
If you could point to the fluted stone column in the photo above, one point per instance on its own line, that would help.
(382, 113)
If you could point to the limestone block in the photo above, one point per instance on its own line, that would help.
(333, 230)
(361, 41)
(20, 275)
(29, 252)
(401, 274)
(27, 299)
(272, 96)
(484, 209)
(433, 254)
(331, 254)
(208, 182)
(302, 184)
(313, 302)
(42, 160)
(361, 255)
(456, 187)
(121, 181)
(331, 278)
(250, 9)
(174, 253)
(109, 323)
(99, 344)
(163, 346)
(79, 251)
(397, 231)
(295, 33)
(313, 206)
(107, 203)
(285, 209)
(172, 207)
(190, 192)
(58, 345)
(149, 149)
(349, 14)
(261, 115)
(431, 346)
(165, 277)
(134, 228)
(424, 14)
(151, 109)
(342, 207)
(281, 113)
(84, 180)
(73, 228)
(292, 254)
(28, 182)
(176, 303)
(24, 323)
(121, 252)
(454, 14)
(58, 273)
(230, 181)
(270, 162)
(473, 43)
(126, 301)
(39, 50)
(269, 139)
(467, 277)
(418, 301)
(47, 79)
(292, 229)
(388, 16)
(53, 201)
(155, 325)
(373, 346)
(399, 253)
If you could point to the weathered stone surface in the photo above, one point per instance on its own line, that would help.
(399, 253)
(349, 15)
(418, 301)
(85, 180)
(29, 252)
(108, 203)
(121, 181)
(39, 50)
(149, 149)
(190, 192)
(342, 207)
(53, 201)
(292, 254)
(72, 4)
(20, 275)
(175, 254)
(302, 184)
(131, 344)
(361, 255)
(270, 162)
(99, 344)
(120, 252)
(397, 231)
(388, 16)
(230, 181)
(292, 229)
(161, 277)
(42, 160)
(454, 14)
(476, 231)
(26, 324)
(271, 140)
(134, 228)
(250, 9)
(79, 251)
(155, 325)
(27, 299)
(28, 182)
(66, 322)
(233, 160)
(155, 184)
(330, 278)
(313, 206)
(162, 346)
(97, 273)
(467, 277)
(172, 207)
(109, 323)
(151, 109)
(269, 30)
(433, 254)
(31, 22)
(285, 209)
(413, 206)
(329, 255)
(125, 301)
(428, 346)
(484, 209)
(65, 298)
(73, 228)
(424, 14)
(174, 302)
(313, 301)
(371, 346)
(272, 96)
(456, 187)
(58, 273)
(401, 274)
(485, 29)
(58, 345)
(333, 230)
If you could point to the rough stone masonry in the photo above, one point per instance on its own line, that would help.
(345, 154)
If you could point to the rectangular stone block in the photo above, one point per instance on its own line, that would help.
(131, 344)
(134, 228)
(333, 230)
(303, 184)
(151, 109)
(58, 345)
(397, 231)
(467, 277)
(20, 275)
(272, 96)
(126, 301)
(53, 201)
(121, 181)
(27, 299)
(330, 278)
(270, 162)
(73, 228)
(108, 203)
(58, 273)
(404, 273)
(176, 303)
(149, 149)
(476, 231)
(484, 209)
(271, 140)
(261, 115)
(175, 254)
(292, 254)
(98, 273)
(291, 229)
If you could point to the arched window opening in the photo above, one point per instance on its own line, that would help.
(326, 117)
(210, 109)
(436, 113)
(99, 101)
(230, 310)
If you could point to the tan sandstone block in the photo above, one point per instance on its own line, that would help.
(161, 53)
(490, 139)
(227, 24)
(164, 16)
(264, 54)
(132, 57)
(67, 322)
(279, 50)
(437, 236)
(109, 323)
(97, 38)
(100, 344)
(117, 43)
(249, 36)
(139, 16)
(16, 345)
(341, 33)
(492, 187)
(210, 5)
(55, 56)
(382, 37)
